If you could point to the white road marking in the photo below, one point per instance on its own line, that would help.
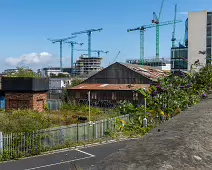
(44, 166)
(72, 148)
(85, 153)
(67, 149)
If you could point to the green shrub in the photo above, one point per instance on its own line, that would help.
(23, 121)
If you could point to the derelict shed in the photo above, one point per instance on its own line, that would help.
(105, 95)
(121, 73)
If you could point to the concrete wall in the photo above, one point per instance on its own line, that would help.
(167, 67)
(197, 35)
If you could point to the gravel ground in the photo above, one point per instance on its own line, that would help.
(185, 142)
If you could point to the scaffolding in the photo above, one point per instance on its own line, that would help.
(86, 65)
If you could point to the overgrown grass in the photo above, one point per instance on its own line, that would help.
(23, 121)
(29, 120)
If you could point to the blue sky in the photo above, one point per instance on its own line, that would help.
(26, 25)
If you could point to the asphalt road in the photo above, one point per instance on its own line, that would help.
(67, 159)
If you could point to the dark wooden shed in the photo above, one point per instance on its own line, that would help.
(106, 95)
(121, 73)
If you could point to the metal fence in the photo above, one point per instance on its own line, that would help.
(23, 144)
(54, 104)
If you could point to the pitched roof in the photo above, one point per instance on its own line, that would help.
(146, 71)
(109, 87)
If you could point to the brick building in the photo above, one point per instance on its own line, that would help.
(34, 101)
(28, 93)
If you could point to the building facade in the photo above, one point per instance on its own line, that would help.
(47, 72)
(106, 95)
(179, 59)
(86, 65)
(197, 42)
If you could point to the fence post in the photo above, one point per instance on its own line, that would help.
(102, 128)
(60, 136)
(77, 133)
(114, 124)
(93, 131)
(97, 123)
(1, 143)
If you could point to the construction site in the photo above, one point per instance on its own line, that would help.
(178, 60)
(87, 63)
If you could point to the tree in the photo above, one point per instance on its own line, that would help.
(76, 81)
(23, 72)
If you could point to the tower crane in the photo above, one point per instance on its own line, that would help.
(61, 46)
(72, 43)
(89, 37)
(142, 29)
(156, 20)
(174, 27)
(95, 51)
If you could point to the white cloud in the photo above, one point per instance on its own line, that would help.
(30, 59)
(35, 61)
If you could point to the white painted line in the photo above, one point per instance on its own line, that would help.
(44, 166)
(85, 153)
(73, 148)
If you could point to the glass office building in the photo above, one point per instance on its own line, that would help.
(179, 59)
(197, 38)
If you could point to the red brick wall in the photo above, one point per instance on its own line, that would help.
(34, 101)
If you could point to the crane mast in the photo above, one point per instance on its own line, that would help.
(142, 29)
(88, 32)
(72, 43)
(61, 48)
(174, 27)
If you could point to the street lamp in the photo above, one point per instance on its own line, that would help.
(145, 122)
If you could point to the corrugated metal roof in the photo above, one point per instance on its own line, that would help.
(110, 86)
(146, 71)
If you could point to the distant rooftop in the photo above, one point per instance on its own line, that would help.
(55, 68)
(150, 61)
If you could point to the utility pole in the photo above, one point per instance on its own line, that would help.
(61, 46)
(89, 37)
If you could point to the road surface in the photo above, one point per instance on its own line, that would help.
(83, 158)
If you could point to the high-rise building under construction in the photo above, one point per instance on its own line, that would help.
(87, 65)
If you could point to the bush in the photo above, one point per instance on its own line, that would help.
(23, 121)
(168, 98)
